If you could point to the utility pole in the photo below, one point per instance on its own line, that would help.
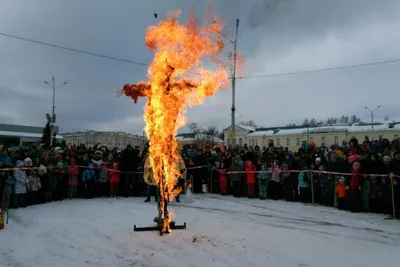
(233, 109)
(372, 118)
(53, 115)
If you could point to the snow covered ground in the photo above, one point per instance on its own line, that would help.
(222, 231)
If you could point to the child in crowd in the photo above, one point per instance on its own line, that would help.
(114, 180)
(21, 180)
(73, 174)
(304, 185)
(341, 192)
(263, 180)
(89, 179)
(251, 179)
(223, 179)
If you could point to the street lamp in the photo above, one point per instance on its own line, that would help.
(233, 78)
(372, 116)
(53, 115)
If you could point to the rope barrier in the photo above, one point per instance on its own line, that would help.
(391, 175)
(85, 167)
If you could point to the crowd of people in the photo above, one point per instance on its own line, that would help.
(351, 176)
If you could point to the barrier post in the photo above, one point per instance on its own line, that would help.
(310, 173)
(392, 177)
(211, 179)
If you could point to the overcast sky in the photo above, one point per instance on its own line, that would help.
(275, 36)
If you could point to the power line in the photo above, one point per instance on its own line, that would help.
(261, 76)
(73, 49)
(320, 70)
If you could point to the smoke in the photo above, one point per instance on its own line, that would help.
(263, 10)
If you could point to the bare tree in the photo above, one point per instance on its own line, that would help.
(249, 123)
(194, 128)
(211, 131)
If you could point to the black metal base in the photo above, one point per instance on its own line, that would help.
(173, 226)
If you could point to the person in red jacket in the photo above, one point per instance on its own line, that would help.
(251, 179)
(73, 174)
(114, 180)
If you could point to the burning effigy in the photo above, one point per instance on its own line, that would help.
(177, 79)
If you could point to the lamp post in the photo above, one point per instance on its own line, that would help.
(53, 115)
(233, 78)
(372, 117)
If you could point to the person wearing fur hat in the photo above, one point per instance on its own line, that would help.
(44, 181)
(33, 185)
(21, 180)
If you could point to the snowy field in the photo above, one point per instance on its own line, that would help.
(222, 231)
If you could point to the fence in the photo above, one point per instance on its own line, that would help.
(212, 180)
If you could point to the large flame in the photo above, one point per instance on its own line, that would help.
(177, 79)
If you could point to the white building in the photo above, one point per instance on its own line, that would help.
(22, 135)
(110, 139)
(292, 137)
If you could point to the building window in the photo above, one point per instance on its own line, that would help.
(229, 142)
(288, 141)
(311, 139)
(323, 139)
(234, 142)
(256, 142)
(336, 140)
(240, 142)
(278, 142)
(366, 137)
(353, 137)
(252, 142)
(298, 142)
(395, 136)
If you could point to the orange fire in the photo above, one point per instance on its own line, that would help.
(177, 79)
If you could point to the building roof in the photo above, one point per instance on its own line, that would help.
(260, 133)
(77, 134)
(340, 127)
(244, 127)
(19, 134)
(195, 137)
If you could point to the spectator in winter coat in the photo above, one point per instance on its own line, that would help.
(44, 181)
(21, 180)
(114, 180)
(263, 179)
(236, 178)
(89, 180)
(33, 187)
(73, 178)
(8, 183)
(223, 179)
(341, 192)
(250, 179)
(275, 182)
(355, 187)
(304, 185)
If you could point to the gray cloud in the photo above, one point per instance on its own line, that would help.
(275, 37)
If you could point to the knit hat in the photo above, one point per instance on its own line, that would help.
(356, 165)
(42, 169)
(19, 163)
(318, 160)
(59, 157)
(28, 162)
(386, 158)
